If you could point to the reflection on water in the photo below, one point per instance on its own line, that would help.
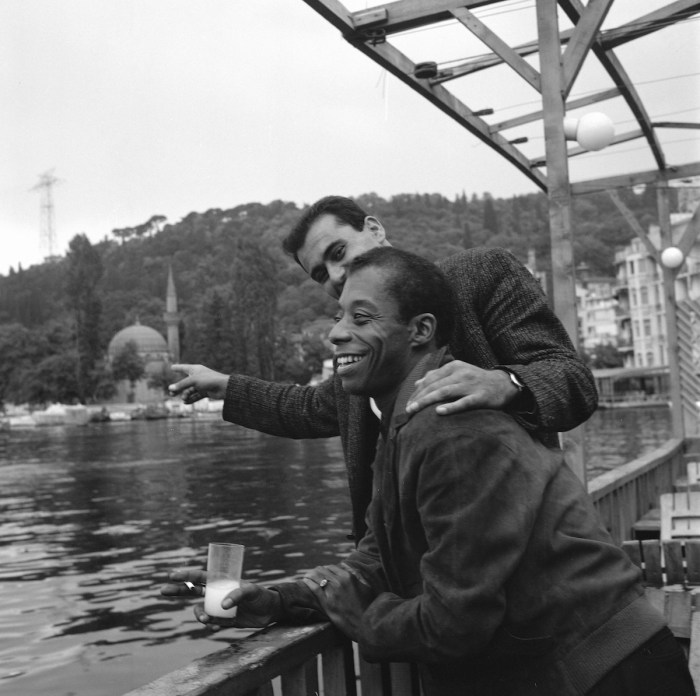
(617, 435)
(91, 520)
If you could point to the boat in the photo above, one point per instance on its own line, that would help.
(62, 414)
(298, 659)
(116, 416)
(150, 412)
(19, 421)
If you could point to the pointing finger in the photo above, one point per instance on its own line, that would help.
(183, 384)
(182, 367)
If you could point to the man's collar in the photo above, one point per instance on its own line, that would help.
(429, 362)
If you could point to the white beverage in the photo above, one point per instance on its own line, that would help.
(214, 595)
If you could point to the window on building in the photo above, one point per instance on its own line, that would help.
(647, 327)
(631, 267)
(635, 328)
(644, 296)
(650, 359)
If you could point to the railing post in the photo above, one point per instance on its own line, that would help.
(372, 679)
(302, 680)
(338, 671)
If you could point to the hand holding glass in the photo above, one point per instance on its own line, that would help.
(224, 565)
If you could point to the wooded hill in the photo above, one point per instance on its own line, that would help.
(243, 302)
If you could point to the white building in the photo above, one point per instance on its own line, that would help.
(597, 308)
(641, 298)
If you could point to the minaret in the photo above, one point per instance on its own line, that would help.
(172, 318)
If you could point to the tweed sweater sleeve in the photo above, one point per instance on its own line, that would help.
(505, 321)
(285, 410)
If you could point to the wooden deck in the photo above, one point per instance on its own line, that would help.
(318, 660)
(671, 572)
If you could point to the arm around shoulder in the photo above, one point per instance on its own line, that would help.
(526, 336)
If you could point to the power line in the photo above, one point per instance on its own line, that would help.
(592, 91)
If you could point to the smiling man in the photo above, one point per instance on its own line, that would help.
(484, 562)
(512, 353)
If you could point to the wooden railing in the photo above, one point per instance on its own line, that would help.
(286, 661)
(318, 660)
(625, 494)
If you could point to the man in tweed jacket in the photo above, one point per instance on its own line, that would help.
(512, 353)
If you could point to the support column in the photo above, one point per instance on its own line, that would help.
(669, 277)
(559, 194)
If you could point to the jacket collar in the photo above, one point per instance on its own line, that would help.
(398, 416)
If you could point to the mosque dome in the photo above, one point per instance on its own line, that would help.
(148, 340)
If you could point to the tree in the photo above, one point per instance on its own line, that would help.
(83, 277)
(605, 355)
(163, 378)
(215, 337)
(18, 350)
(316, 350)
(254, 302)
(123, 233)
(54, 379)
(490, 218)
(129, 365)
(467, 242)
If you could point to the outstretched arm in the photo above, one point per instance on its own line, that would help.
(285, 410)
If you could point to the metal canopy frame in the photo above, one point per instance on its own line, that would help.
(372, 29)
(562, 54)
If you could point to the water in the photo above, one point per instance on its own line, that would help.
(93, 518)
(615, 436)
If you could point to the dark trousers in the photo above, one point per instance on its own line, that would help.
(657, 668)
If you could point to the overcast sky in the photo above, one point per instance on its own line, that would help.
(144, 107)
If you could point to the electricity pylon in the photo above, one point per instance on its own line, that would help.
(47, 231)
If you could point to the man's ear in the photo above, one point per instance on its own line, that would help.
(376, 229)
(422, 327)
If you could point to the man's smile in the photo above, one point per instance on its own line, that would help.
(345, 361)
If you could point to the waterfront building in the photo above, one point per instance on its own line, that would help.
(640, 294)
(157, 353)
(641, 321)
(597, 307)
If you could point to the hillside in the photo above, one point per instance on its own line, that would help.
(243, 302)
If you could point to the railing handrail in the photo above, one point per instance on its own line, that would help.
(250, 663)
(607, 482)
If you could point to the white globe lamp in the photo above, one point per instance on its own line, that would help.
(592, 131)
(672, 257)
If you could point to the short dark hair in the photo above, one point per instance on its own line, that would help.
(344, 209)
(415, 284)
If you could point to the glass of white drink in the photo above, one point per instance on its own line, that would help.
(224, 565)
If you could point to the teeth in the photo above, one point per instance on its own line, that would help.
(348, 359)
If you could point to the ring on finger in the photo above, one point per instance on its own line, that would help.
(323, 583)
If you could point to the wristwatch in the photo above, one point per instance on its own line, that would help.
(523, 403)
(513, 378)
